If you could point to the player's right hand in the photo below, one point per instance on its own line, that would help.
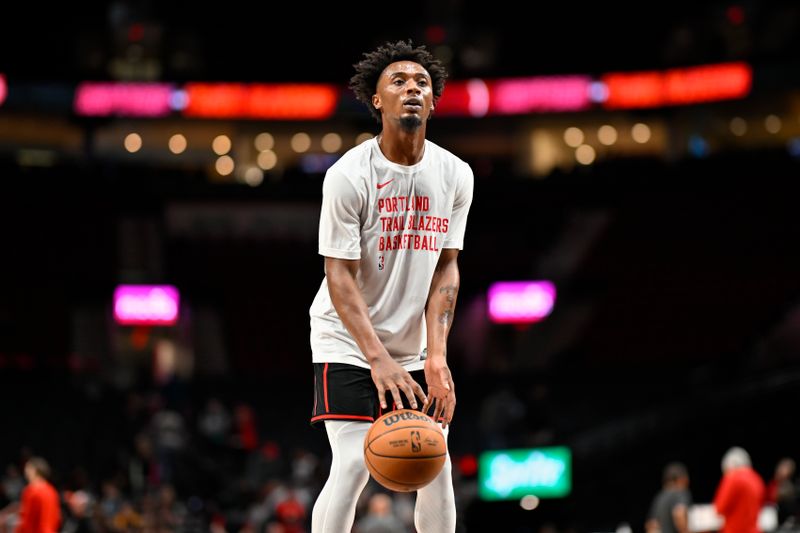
(389, 376)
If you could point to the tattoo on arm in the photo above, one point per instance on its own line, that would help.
(445, 317)
(450, 292)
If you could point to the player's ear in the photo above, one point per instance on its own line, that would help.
(376, 101)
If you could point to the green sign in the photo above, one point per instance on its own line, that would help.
(512, 474)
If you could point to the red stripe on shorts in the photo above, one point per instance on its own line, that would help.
(315, 394)
(342, 417)
(325, 386)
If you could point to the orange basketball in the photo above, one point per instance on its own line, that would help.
(404, 450)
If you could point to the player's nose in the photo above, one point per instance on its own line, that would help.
(413, 88)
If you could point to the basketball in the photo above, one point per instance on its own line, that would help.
(404, 450)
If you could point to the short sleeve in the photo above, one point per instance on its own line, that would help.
(682, 497)
(340, 218)
(461, 204)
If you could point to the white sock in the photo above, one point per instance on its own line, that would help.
(335, 508)
(435, 510)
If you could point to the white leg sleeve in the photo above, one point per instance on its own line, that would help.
(435, 510)
(335, 508)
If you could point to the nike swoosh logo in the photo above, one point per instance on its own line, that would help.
(385, 183)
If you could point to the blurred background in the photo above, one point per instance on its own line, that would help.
(644, 160)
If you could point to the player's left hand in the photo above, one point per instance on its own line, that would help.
(441, 390)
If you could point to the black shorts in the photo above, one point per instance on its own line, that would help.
(347, 392)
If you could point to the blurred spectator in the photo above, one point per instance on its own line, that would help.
(259, 512)
(781, 491)
(379, 517)
(669, 512)
(11, 485)
(215, 423)
(304, 466)
(170, 514)
(127, 519)
(9, 517)
(40, 508)
(246, 434)
(169, 437)
(111, 500)
(79, 512)
(143, 471)
(291, 513)
(262, 465)
(740, 493)
(403, 508)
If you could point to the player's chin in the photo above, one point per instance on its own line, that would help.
(410, 121)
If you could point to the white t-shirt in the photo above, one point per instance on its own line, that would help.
(396, 219)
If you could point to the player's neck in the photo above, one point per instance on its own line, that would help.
(402, 147)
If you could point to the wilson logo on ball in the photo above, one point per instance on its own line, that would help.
(393, 419)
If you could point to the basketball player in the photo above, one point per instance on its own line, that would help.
(394, 211)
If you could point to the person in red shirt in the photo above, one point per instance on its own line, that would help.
(291, 514)
(740, 493)
(40, 508)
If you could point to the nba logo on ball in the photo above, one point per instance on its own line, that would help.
(404, 450)
(415, 444)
